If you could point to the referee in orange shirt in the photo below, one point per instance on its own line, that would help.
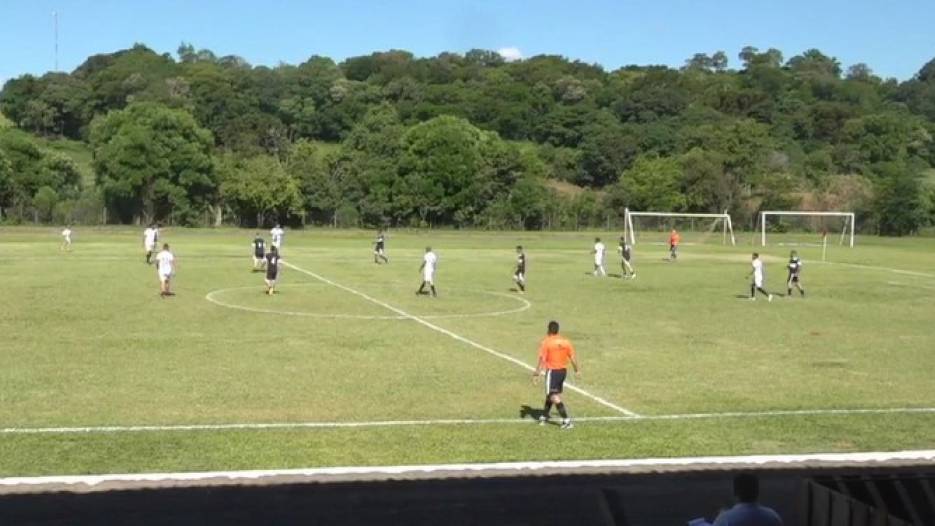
(555, 352)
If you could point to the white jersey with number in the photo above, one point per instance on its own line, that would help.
(758, 272)
(277, 235)
(164, 260)
(599, 250)
(429, 261)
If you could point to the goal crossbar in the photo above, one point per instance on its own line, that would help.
(848, 222)
(629, 233)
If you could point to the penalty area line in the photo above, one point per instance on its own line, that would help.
(458, 337)
(456, 421)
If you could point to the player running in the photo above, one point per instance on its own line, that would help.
(598, 251)
(277, 234)
(165, 269)
(795, 270)
(379, 248)
(149, 242)
(519, 275)
(674, 239)
(273, 261)
(555, 352)
(758, 272)
(259, 253)
(626, 253)
(66, 239)
(427, 268)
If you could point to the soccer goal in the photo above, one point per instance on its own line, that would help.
(694, 228)
(815, 226)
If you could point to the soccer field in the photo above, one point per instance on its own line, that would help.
(347, 366)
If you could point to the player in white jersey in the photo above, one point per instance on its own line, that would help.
(598, 251)
(427, 268)
(149, 242)
(277, 233)
(66, 238)
(758, 273)
(165, 269)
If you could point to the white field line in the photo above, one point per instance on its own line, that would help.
(884, 269)
(212, 297)
(504, 468)
(454, 421)
(459, 338)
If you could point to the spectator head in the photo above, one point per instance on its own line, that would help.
(746, 487)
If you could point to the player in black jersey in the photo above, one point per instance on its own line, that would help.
(626, 252)
(259, 253)
(272, 270)
(379, 248)
(519, 276)
(795, 271)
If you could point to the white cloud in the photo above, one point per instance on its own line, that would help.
(510, 53)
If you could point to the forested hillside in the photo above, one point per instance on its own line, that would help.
(464, 140)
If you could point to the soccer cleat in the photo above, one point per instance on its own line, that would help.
(769, 298)
(566, 424)
(543, 419)
(752, 298)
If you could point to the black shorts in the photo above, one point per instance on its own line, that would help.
(793, 279)
(259, 255)
(555, 380)
(271, 277)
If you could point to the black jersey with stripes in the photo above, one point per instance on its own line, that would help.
(521, 263)
(272, 265)
(259, 247)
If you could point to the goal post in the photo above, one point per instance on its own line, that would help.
(723, 220)
(847, 231)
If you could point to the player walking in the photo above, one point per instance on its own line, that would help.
(555, 353)
(277, 234)
(427, 268)
(66, 239)
(795, 270)
(626, 253)
(674, 240)
(379, 248)
(758, 273)
(149, 242)
(519, 275)
(259, 252)
(273, 261)
(598, 251)
(165, 269)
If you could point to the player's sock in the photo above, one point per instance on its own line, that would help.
(561, 410)
(788, 292)
(421, 288)
(434, 294)
(521, 286)
(753, 291)
(547, 407)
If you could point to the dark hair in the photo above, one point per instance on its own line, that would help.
(756, 254)
(597, 239)
(746, 487)
(165, 246)
(519, 247)
(553, 327)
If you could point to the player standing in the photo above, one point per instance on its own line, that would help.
(273, 261)
(674, 240)
(555, 353)
(259, 252)
(427, 268)
(598, 251)
(626, 253)
(165, 269)
(758, 273)
(277, 234)
(66, 239)
(519, 275)
(795, 270)
(379, 248)
(149, 242)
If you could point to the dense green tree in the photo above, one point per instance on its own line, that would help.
(259, 188)
(153, 162)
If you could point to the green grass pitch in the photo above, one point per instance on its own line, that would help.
(87, 342)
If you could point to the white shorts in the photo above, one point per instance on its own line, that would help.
(598, 262)
(428, 276)
(277, 244)
(164, 276)
(149, 246)
(758, 281)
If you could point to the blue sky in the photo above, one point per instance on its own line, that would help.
(894, 37)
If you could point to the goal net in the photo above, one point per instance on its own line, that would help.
(654, 227)
(806, 228)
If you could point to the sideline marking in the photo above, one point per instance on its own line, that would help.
(506, 468)
(458, 337)
(452, 421)
(885, 269)
(211, 296)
